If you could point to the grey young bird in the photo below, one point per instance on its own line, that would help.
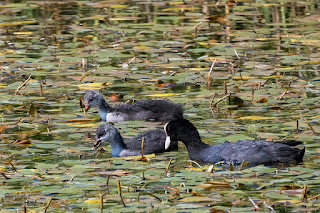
(254, 152)
(154, 141)
(155, 110)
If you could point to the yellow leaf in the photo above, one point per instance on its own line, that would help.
(196, 169)
(264, 39)
(200, 69)
(141, 47)
(23, 33)
(252, 77)
(176, 3)
(16, 23)
(91, 85)
(257, 118)
(92, 201)
(306, 62)
(119, 6)
(31, 170)
(243, 77)
(294, 40)
(88, 125)
(162, 95)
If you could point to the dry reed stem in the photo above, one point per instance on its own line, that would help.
(167, 168)
(47, 206)
(209, 73)
(23, 84)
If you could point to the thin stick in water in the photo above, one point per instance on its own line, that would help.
(101, 201)
(209, 73)
(142, 145)
(14, 168)
(167, 168)
(59, 65)
(119, 192)
(47, 206)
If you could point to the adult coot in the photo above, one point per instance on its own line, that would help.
(156, 110)
(154, 141)
(254, 152)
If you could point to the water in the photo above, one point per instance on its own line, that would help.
(155, 50)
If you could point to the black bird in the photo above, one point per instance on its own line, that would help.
(156, 110)
(253, 151)
(154, 141)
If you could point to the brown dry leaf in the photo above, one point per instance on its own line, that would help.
(231, 167)
(2, 128)
(269, 138)
(213, 184)
(81, 102)
(231, 3)
(218, 19)
(20, 141)
(116, 97)
(143, 158)
(194, 193)
(261, 100)
(87, 41)
(215, 210)
(175, 192)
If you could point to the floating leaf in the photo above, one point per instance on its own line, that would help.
(213, 184)
(20, 141)
(93, 201)
(261, 100)
(2, 128)
(257, 118)
(33, 110)
(162, 95)
(196, 199)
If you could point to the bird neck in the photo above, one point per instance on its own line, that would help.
(103, 108)
(193, 143)
(117, 145)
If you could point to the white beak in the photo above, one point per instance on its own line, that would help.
(168, 141)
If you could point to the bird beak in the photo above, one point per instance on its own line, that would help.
(86, 107)
(167, 143)
(97, 144)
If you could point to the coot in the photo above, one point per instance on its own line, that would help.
(155, 110)
(253, 151)
(154, 141)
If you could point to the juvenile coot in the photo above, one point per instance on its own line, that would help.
(254, 152)
(157, 110)
(154, 141)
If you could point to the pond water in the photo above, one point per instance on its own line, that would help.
(265, 53)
